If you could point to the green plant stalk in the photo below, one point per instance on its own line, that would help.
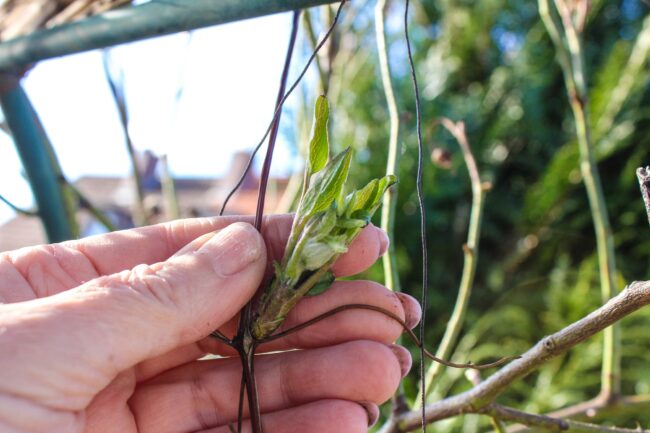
(117, 91)
(389, 207)
(87, 205)
(611, 373)
(574, 74)
(470, 250)
(499, 426)
(168, 187)
(38, 160)
(634, 67)
(313, 41)
(455, 324)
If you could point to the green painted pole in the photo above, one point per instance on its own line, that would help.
(155, 18)
(35, 153)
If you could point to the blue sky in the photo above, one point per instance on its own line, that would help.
(230, 75)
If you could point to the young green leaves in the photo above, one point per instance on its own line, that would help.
(326, 222)
(319, 142)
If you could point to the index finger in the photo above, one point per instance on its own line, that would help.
(118, 251)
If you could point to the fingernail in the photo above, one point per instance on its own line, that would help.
(372, 410)
(403, 356)
(412, 310)
(383, 241)
(234, 248)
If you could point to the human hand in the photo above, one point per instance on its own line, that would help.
(104, 334)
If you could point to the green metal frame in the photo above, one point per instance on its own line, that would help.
(38, 160)
(155, 18)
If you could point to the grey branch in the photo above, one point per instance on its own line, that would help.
(644, 182)
(547, 423)
(477, 399)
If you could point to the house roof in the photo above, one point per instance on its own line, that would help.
(196, 197)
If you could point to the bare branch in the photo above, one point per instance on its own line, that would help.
(547, 423)
(633, 297)
(597, 408)
(17, 209)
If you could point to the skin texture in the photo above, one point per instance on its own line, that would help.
(105, 334)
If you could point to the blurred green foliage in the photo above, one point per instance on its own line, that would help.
(491, 64)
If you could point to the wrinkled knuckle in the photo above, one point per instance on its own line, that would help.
(149, 283)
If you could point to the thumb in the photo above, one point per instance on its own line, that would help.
(91, 333)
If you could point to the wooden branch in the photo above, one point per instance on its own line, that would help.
(597, 408)
(547, 423)
(633, 297)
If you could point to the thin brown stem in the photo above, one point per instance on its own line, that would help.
(278, 109)
(397, 319)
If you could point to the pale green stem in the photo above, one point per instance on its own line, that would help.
(634, 67)
(17, 209)
(117, 91)
(470, 250)
(574, 74)
(391, 276)
(92, 209)
(499, 426)
(168, 187)
(291, 193)
(313, 41)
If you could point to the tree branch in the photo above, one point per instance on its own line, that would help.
(547, 423)
(17, 209)
(597, 408)
(633, 297)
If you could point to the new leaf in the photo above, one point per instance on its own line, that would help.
(319, 143)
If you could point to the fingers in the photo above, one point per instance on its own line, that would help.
(203, 394)
(325, 416)
(46, 270)
(92, 333)
(115, 252)
(344, 326)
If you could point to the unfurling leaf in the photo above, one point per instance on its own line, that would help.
(319, 142)
(327, 222)
(326, 186)
(317, 253)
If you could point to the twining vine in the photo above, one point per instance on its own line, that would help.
(326, 223)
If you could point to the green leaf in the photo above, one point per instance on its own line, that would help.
(358, 199)
(319, 143)
(317, 253)
(327, 186)
(384, 183)
(362, 204)
(322, 285)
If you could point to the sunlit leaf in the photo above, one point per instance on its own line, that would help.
(326, 186)
(319, 143)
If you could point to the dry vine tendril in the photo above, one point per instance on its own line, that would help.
(326, 222)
